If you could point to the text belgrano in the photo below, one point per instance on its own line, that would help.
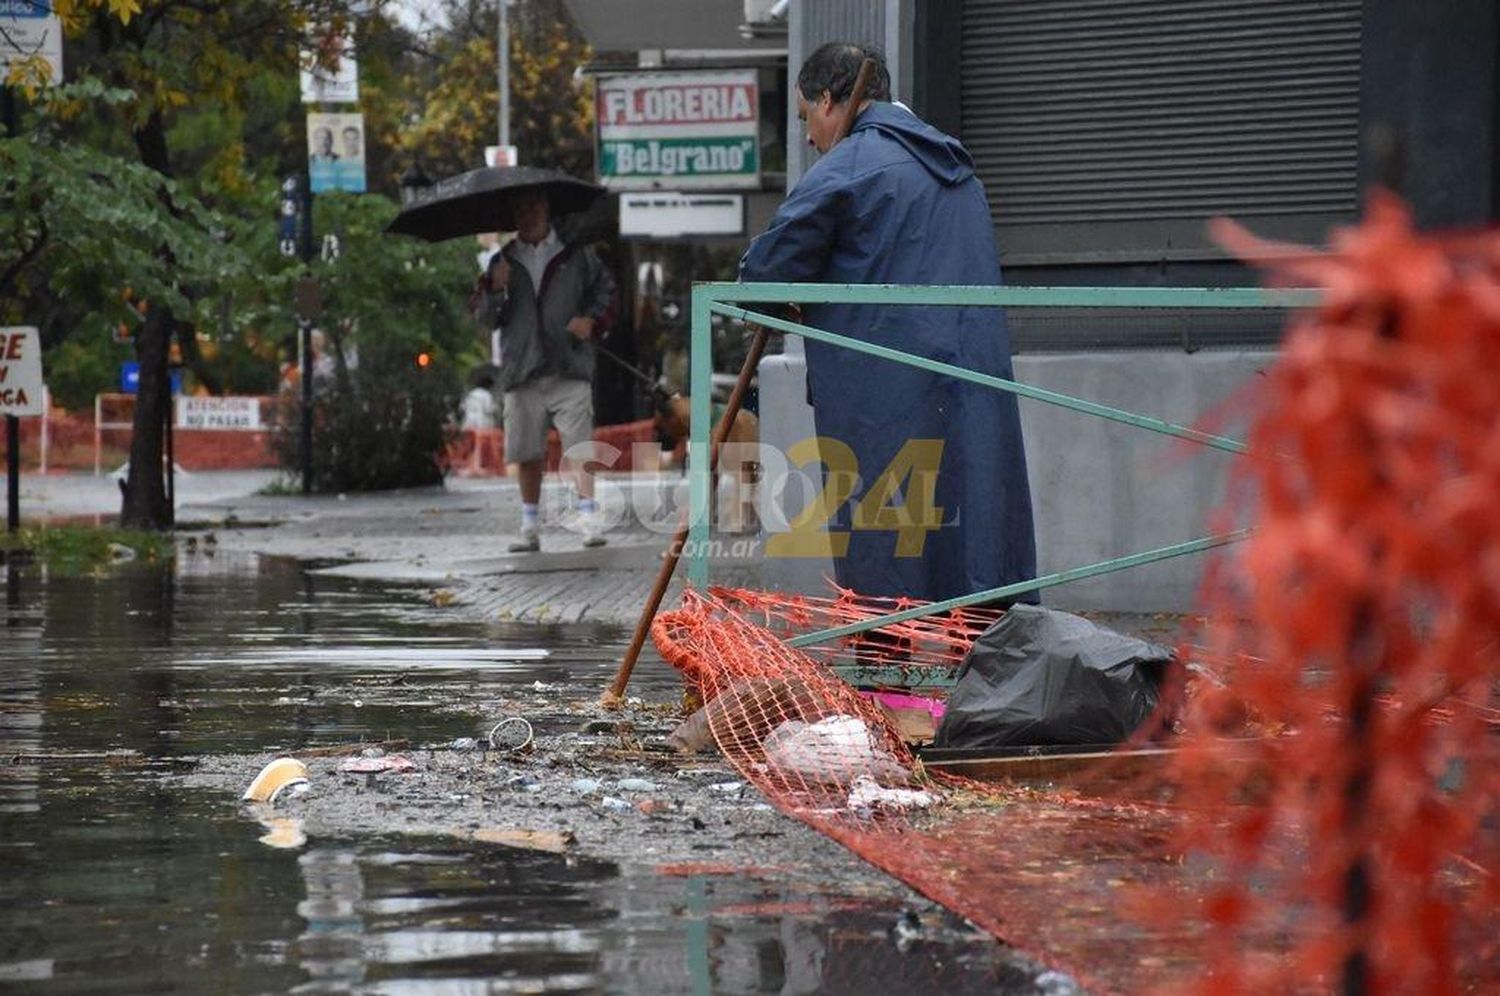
(655, 159)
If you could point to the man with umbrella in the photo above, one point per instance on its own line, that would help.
(548, 298)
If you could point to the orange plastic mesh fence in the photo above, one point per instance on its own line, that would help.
(1040, 870)
(1369, 597)
(1331, 819)
(937, 642)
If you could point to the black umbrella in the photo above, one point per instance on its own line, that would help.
(483, 200)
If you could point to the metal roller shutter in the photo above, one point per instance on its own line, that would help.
(1112, 128)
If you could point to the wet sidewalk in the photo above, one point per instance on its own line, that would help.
(453, 538)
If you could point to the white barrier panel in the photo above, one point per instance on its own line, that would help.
(219, 413)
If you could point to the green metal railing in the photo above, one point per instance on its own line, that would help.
(727, 299)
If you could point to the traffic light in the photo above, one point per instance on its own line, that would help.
(424, 360)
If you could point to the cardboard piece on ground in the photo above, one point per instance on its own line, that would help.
(551, 841)
(915, 726)
(747, 709)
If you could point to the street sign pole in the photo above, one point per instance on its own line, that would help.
(305, 323)
(12, 473)
(296, 239)
(12, 424)
(170, 448)
(304, 333)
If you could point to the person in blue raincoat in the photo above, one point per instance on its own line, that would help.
(941, 505)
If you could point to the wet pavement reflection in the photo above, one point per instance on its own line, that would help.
(115, 878)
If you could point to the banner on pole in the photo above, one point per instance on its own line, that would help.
(336, 152)
(339, 85)
(28, 30)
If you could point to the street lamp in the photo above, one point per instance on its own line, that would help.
(504, 52)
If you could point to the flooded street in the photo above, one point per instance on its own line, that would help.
(122, 875)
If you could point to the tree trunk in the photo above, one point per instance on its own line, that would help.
(145, 502)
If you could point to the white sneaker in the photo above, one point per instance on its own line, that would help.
(591, 524)
(530, 540)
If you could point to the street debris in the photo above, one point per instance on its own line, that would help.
(745, 711)
(526, 783)
(278, 776)
(346, 750)
(1055, 983)
(830, 750)
(114, 758)
(382, 764)
(551, 841)
(868, 795)
(514, 735)
(906, 931)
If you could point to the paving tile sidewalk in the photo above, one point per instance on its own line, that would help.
(452, 538)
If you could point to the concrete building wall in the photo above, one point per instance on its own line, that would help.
(1099, 489)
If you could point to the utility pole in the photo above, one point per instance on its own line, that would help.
(504, 43)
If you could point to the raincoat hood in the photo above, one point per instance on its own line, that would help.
(942, 155)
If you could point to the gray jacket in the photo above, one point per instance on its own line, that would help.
(534, 337)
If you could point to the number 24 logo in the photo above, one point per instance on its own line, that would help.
(911, 476)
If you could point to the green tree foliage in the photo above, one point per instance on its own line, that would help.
(167, 54)
(455, 94)
(84, 238)
(143, 196)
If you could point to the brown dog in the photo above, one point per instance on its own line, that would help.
(739, 471)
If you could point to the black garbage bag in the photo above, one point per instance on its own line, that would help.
(1039, 677)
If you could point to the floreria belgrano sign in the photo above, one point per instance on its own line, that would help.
(676, 130)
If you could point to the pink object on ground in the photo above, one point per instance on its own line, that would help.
(905, 700)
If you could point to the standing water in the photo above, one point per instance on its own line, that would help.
(115, 877)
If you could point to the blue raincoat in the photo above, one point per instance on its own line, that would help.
(897, 202)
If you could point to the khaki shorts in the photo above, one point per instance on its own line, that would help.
(566, 404)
